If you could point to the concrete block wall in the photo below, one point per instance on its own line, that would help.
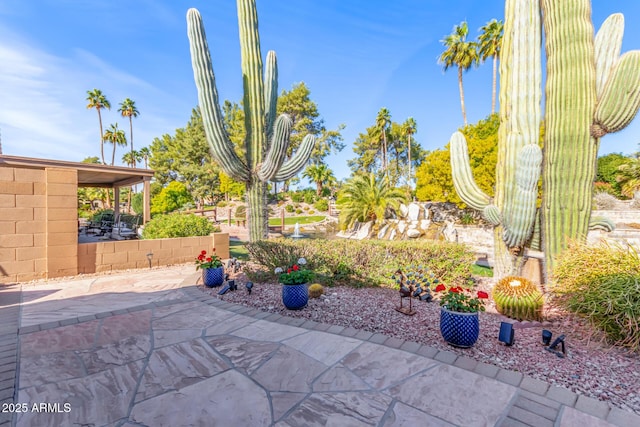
(61, 222)
(23, 229)
(131, 254)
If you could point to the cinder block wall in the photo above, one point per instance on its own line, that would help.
(23, 229)
(130, 254)
(61, 222)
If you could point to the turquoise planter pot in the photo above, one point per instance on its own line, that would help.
(459, 329)
(295, 297)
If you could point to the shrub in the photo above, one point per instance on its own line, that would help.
(309, 197)
(241, 212)
(222, 204)
(311, 212)
(297, 197)
(604, 200)
(137, 203)
(289, 208)
(305, 208)
(365, 263)
(298, 211)
(601, 283)
(177, 225)
(321, 205)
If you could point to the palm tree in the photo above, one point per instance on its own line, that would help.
(98, 101)
(128, 109)
(144, 154)
(116, 137)
(629, 178)
(382, 123)
(130, 158)
(366, 198)
(409, 127)
(489, 43)
(460, 53)
(320, 174)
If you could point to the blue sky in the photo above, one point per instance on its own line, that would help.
(356, 56)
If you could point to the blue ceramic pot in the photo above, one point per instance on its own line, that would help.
(212, 277)
(459, 329)
(295, 297)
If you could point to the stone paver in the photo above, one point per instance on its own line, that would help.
(148, 348)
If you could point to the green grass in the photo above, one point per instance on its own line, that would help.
(238, 250)
(480, 270)
(291, 220)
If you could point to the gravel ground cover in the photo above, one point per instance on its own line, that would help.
(590, 367)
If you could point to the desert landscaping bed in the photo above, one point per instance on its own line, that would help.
(590, 367)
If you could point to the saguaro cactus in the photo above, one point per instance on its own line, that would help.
(513, 210)
(591, 91)
(267, 139)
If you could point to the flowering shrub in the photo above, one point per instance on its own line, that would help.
(297, 274)
(456, 299)
(203, 261)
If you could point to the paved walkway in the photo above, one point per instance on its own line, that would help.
(149, 349)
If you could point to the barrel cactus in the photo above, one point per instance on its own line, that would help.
(315, 290)
(267, 138)
(518, 298)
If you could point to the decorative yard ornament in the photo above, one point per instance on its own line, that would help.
(267, 137)
(590, 90)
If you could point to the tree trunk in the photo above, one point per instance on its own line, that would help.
(319, 188)
(493, 89)
(133, 160)
(101, 136)
(464, 112)
(257, 210)
(409, 154)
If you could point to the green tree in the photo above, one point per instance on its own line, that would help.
(130, 158)
(460, 53)
(320, 174)
(128, 109)
(489, 43)
(306, 119)
(229, 187)
(629, 178)
(97, 100)
(172, 197)
(91, 194)
(608, 170)
(115, 136)
(434, 180)
(185, 157)
(367, 198)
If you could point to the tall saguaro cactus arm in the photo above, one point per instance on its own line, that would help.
(463, 181)
(221, 145)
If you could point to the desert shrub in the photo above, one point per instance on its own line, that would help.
(604, 200)
(602, 283)
(177, 225)
(365, 263)
(297, 197)
(604, 187)
(241, 212)
(310, 212)
(321, 205)
(298, 211)
(467, 219)
(222, 204)
(305, 208)
(289, 208)
(309, 197)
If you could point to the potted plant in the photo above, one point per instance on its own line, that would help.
(212, 269)
(459, 322)
(294, 280)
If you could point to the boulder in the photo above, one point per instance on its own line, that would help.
(414, 212)
(404, 211)
(413, 233)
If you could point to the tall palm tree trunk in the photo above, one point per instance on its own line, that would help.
(493, 93)
(409, 159)
(464, 112)
(101, 137)
(133, 162)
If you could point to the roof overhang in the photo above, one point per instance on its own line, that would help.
(89, 174)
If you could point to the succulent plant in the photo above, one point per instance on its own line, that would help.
(267, 138)
(591, 91)
(315, 290)
(518, 298)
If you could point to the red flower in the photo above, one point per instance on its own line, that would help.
(214, 249)
(203, 253)
(454, 290)
(208, 259)
(295, 267)
(289, 270)
(440, 287)
(200, 257)
(482, 294)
